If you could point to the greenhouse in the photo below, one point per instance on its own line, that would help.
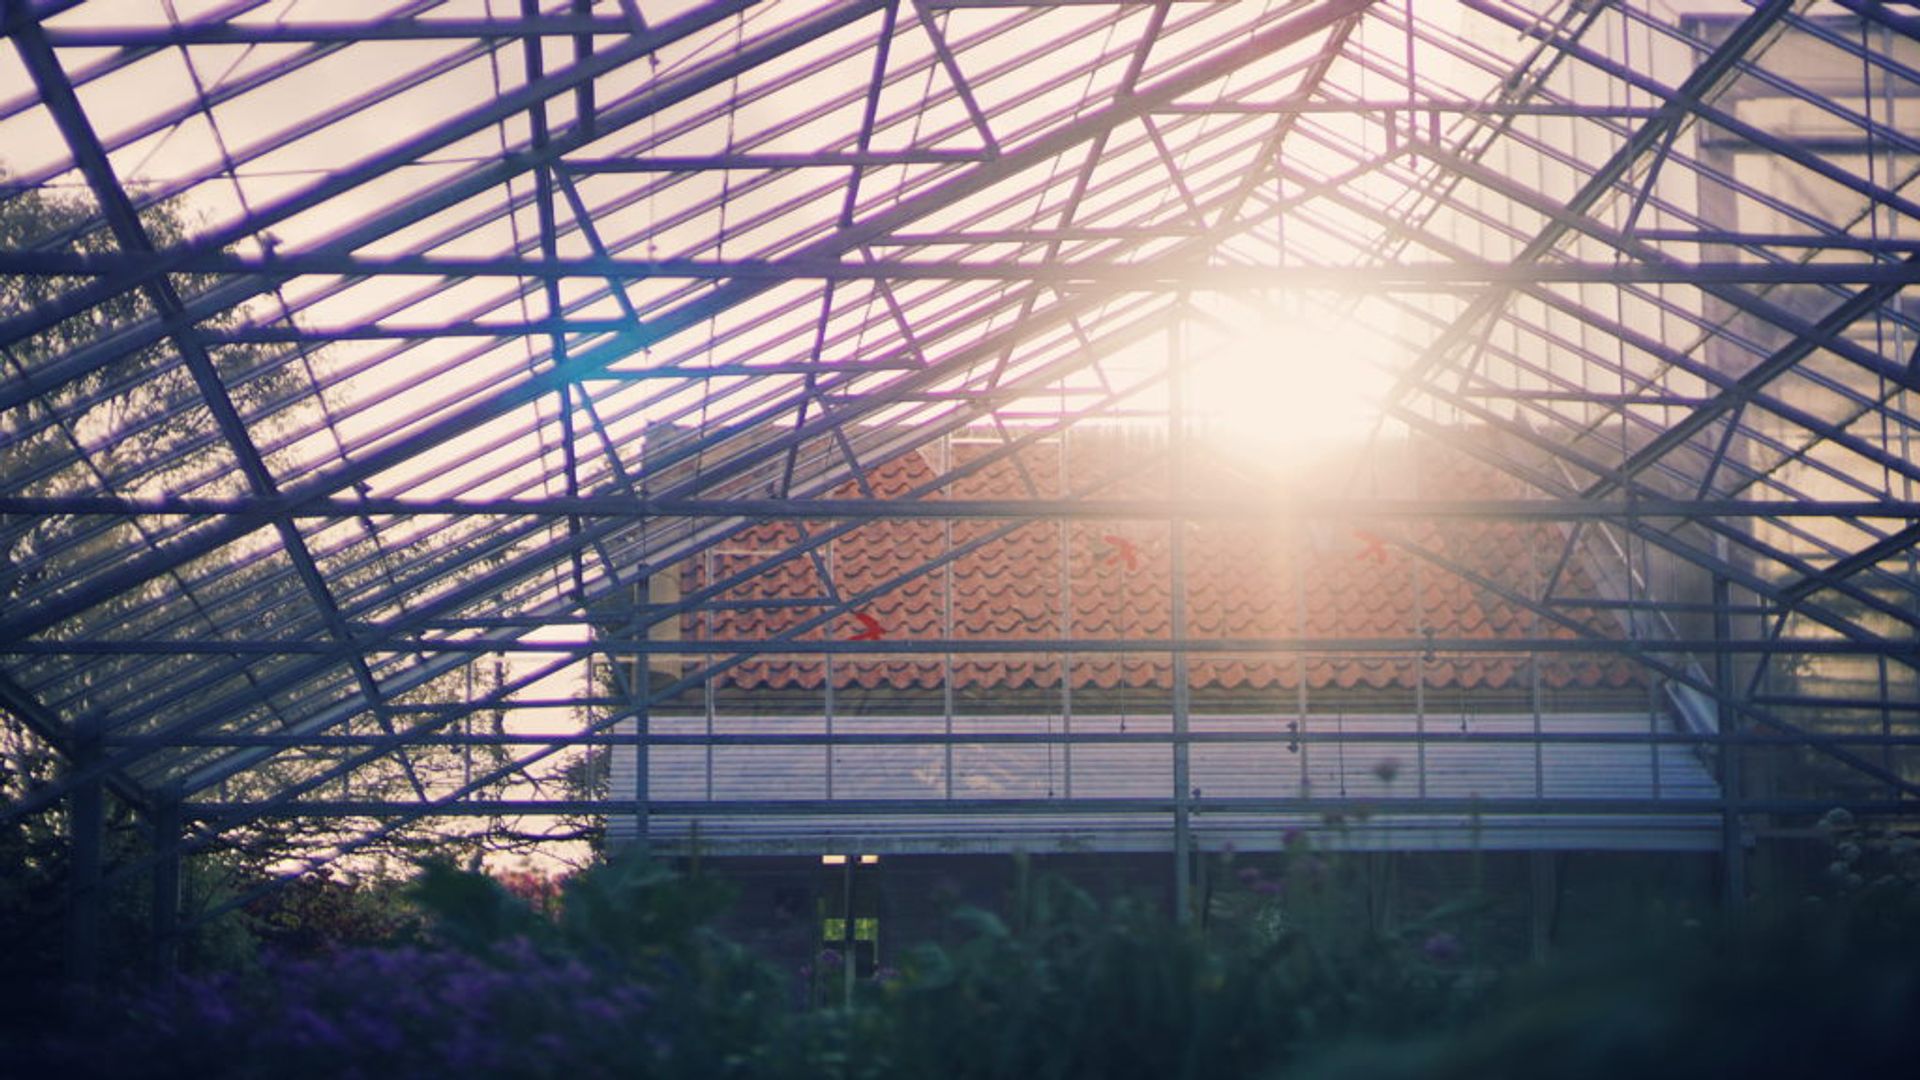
(865, 451)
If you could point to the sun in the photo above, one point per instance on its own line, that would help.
(1277, 384)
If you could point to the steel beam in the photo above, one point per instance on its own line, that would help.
(938, 736)
(131, 234)
(1465, 809)
(224, 32)
(607, 519)
(1711, 73)
(1159, 274)
(1412, 646)
(472, 121)
(1633, 506)
(1035, 152)
(491, 584)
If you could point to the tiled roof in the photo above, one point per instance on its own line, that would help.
(1042, 580)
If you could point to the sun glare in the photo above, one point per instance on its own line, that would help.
(1270, 386)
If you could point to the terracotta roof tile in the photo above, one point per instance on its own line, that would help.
(1111, 579)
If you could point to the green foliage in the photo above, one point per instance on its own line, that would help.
(1061, 985)
(1826, 986)
(35, 894)
(471, 911)
(1829, 990)
(623, 975)
(715, 1010)
(630, 913)
(1070, 987)
(324, 910)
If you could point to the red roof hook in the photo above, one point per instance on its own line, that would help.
(1376, 548)
(870, 628)
(1125, 552)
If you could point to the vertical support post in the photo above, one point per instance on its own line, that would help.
(1732, 836)
(1177, 589)
(1301, 550)
(1886, 727)
(946, 621)
(165, 905)
(709, 709)
(1062, 485)
(1419, 678)
(826, 688)
(1533, 672)
(639, 694)
(847, 942)
(1544, 892)
(642, 823)
(86, 825)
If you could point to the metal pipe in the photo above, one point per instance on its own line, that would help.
(1733, 853)
(1082, 737)
(1254, 508)
(1409, 646)
(1102, 808)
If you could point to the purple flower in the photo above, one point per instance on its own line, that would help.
(829, 959)
(309, 1028)
(1269, 888)
(209, 1000)
(1442, 948)
(1249, 875)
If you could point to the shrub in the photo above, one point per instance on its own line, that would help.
(623, 979)
(1075, 988)
(372, 1012)
(622, 976)
(1826, 987)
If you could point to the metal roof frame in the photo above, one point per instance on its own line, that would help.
(577, 292)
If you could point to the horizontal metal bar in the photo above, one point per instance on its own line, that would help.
(1829, 703)
(245, 33)
(1563, 599)
(1506, 393)
(1322, 106)
(254, 335)
(1433, 736)
(1154, 273)
(1254, 509)
(936, 5)
(1345, 807)
(720, 370)
(515, 704)
(1816, 144)
(824, 159)
(1405, 646)
(1886, 245)
(1040, 235)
